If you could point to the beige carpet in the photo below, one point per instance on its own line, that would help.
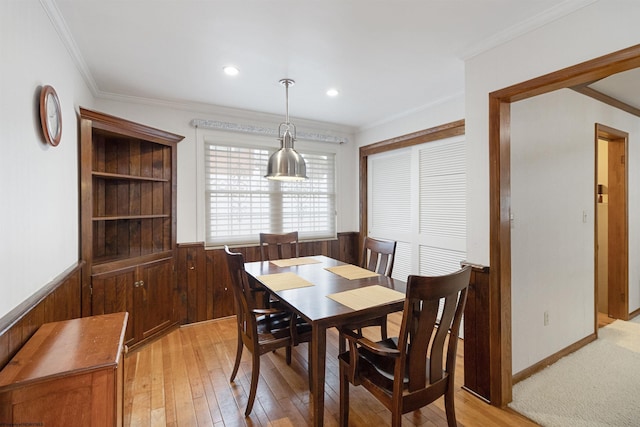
(596, 386)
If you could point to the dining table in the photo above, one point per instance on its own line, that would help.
(326, 293)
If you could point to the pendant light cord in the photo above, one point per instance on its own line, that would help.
(286, 83)
(286, 91)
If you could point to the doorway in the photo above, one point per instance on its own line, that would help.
(612, 271)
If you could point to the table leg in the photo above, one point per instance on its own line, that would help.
(319, 354)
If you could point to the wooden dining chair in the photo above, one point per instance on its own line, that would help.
(416, 368)
(274, 246)
(379, 256)
(261, 330)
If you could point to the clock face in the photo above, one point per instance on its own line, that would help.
(50, 115)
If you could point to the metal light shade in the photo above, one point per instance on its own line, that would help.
(286, 164)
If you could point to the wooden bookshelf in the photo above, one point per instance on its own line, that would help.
(128, 220)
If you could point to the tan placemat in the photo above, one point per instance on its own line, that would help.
(366, 297)
(352, 272)
(290, 262)
(283, 281)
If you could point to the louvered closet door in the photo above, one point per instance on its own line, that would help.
(417, 196)
(442, 207)
(390, 206)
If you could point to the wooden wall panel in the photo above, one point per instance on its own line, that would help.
(219, 283)
(203, 280)
(476, 335)
(191, 268)
(58, 300)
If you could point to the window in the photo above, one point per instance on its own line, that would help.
(241, 203)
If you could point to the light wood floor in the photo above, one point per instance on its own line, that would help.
(604, 320)
(182, 379)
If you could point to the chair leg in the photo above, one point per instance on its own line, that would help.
(238, 357)
(383, 328)
(255, 374)
(288, 355)
(449, 406)
(309, 365)
(344, 397)
(396, 418)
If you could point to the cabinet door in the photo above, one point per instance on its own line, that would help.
(112, 292)
(154, 297)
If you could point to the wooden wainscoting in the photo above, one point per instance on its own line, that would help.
(203, 282)
(58, 300)
(477, 377)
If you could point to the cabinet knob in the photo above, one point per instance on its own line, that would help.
(192, 268)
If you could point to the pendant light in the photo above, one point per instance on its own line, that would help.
(286, 164)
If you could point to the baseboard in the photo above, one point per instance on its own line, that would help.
(526, 373)
(634, 314)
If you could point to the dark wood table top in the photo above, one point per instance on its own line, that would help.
(312, 303)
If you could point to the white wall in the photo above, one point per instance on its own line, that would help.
(595, 30)
(552, 241)
(39, 214)
(176, 118)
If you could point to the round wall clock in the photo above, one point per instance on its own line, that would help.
(50, 115)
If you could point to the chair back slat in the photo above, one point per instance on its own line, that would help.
(274, 246)
(378, 255)
(424, 315)
(423, 335)
(244, 299)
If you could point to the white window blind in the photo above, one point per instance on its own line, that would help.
(241, 203)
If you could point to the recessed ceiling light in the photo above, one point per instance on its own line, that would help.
(230, 70)
(333, 92)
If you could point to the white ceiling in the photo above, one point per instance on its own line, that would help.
(386, 57)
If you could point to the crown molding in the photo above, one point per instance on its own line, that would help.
(408, 113)
(565, 8)
(51, 9)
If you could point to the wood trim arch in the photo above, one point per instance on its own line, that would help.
(500, 197)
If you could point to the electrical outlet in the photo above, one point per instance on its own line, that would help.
(546, 318)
